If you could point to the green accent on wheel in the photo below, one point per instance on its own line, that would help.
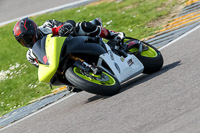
(108, 82)
(148, 53)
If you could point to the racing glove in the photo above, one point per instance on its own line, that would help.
(119, 36)
(31, 58)
(66, 29)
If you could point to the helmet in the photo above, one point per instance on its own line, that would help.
(25, 32)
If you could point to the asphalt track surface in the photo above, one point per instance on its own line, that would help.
(163, 102)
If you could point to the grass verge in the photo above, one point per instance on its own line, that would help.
(18, 79)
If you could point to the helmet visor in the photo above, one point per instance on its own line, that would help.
(23, 43)
(27, 41)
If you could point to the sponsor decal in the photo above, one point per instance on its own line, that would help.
(117, 67)
(130, 62)
(111, 54)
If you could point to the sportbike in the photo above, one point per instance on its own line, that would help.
(93, 65)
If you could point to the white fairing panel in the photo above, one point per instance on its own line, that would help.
(123, 68)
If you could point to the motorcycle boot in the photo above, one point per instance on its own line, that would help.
(73, 89)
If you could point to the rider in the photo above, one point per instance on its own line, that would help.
(27, 33)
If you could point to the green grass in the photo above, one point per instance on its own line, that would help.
(21, 85)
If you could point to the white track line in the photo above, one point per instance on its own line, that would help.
(47, 10)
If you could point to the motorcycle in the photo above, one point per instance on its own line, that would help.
(92, 65)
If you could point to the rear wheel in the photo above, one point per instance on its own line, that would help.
(101, 84)
(150, 57)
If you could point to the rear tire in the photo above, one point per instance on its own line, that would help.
(151, 64)
(92, 83)
(151, 59)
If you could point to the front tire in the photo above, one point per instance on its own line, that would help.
(101, 84)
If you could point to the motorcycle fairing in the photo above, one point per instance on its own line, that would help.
(53, 46)
(123, 68)
(39, 51)
(82, 45)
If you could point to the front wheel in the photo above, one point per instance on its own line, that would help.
(101, 84)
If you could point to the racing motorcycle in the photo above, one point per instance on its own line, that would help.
(93, 65)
